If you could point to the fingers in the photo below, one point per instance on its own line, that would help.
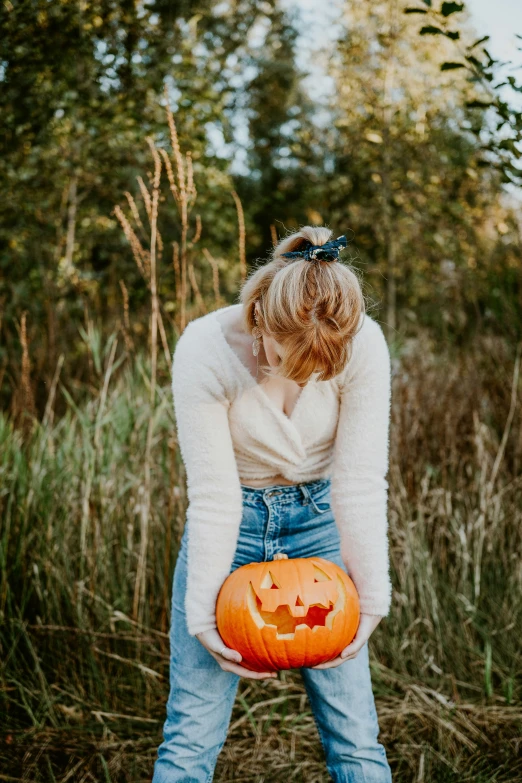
(352, 650)
(366, 627)
(231, 655)
(235, 669)
(354, 647)
(214, 643)
(231, 664)
(352, 655)
(347, 654)
(329, 664)
(232, 658)
(228, 658)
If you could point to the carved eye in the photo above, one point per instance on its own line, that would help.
(269, 583)
(320, 576)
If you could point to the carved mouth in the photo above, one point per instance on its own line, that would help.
(286, 624)
(318, 616)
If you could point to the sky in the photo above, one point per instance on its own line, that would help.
(500, 19)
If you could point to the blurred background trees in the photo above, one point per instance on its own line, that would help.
(400, 151)
(411, 177)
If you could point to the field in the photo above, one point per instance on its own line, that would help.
(92, 510)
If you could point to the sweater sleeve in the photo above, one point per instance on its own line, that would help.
(359, 489)
(213, 486)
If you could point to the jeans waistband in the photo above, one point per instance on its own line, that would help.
(289, 491)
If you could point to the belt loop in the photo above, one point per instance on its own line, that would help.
(306, 493)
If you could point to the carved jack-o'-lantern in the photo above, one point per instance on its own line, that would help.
(287, 613)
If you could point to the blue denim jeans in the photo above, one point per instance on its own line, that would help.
(295, 519)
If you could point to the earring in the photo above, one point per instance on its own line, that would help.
(257, 334)
(256, 344)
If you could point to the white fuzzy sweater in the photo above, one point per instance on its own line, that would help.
(230, 431)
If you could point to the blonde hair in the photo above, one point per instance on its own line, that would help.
(312, 308)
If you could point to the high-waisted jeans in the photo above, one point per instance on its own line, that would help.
(297, 520)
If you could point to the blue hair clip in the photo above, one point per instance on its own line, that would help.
(327, 252)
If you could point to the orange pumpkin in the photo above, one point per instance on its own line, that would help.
(287, 613)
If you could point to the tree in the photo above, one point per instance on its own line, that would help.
(408, 179)
(81, 88)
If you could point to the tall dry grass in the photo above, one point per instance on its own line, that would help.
(84, 682)
(92, 507)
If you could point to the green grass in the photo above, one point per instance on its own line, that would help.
(84, 651)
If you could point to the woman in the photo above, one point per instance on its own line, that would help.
(282, 408)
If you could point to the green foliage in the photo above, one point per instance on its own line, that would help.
(447, 9)
(81, 88)
(411, 150)
(431, 30)
(409, 179)
(486, 74)
(281, 159)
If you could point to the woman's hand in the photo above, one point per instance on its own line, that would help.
(367, 625)
(227, 658)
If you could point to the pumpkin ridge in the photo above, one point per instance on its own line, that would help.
(252, 652)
